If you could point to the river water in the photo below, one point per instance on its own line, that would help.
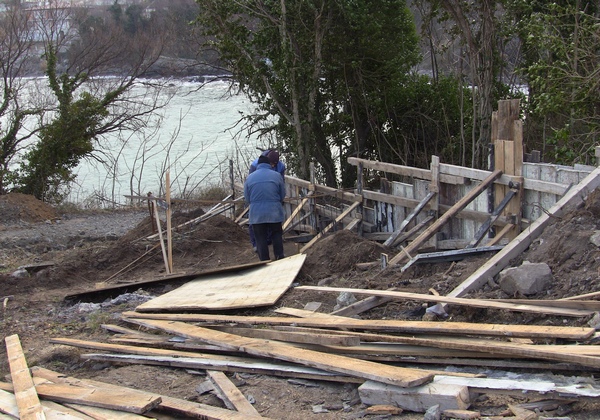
(195, 141)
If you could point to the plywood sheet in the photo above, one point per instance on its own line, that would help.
(261, 286)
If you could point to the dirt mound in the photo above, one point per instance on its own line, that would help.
(16, 207)
(338, 254)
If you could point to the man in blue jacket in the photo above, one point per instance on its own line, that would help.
(276, 165)
(264, 191)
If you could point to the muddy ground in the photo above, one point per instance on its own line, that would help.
(87, 249)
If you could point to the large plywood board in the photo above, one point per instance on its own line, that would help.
(261, 286)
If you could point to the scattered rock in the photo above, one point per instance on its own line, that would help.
(528, 279)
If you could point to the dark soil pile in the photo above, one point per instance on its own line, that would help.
(16, 207)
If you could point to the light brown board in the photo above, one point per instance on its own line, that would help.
(25, 392)
(258, 287)
(175, 405)
(417, 327)
(231, 396)
(478, 303)
(378, 372)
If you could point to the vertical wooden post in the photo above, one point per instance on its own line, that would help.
(434, 187)
(233, 207)
(507, 136)
(359, 191)
(169, 227)
(312, 206)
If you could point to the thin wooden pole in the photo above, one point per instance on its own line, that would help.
(160, 236)
(169, 229)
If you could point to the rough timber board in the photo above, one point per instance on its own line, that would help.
(258, 287)
(404, 377)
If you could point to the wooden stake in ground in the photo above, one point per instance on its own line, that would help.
(25, 393)
(160, 236)
(169, 230)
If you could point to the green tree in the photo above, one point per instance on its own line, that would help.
(82, 107)
(325, 68)
(561, 63)
(16, 106)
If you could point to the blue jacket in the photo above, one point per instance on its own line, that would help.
(264, 191)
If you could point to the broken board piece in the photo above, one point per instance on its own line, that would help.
(231, 395)
(24, 389)
(405, 377)
(261, 286)
(174, 405)
(417, 399)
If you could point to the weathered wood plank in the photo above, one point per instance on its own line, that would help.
(321, 338)
(27, 399)
(368, 370)
(174, 405)
(478, 303)
(231, 395)
(429, 327)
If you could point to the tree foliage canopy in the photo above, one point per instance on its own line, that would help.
(329, 70)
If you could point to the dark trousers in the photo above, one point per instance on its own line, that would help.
(261, 233)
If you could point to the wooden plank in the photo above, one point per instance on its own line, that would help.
(321, 338)
(252, 366)
(330, 226)
(478, 303)
(348, 366)
(431, 230)
(231, 395)
(121, 288)
(160, 237)
(99, 413)
(259, 287)
(516, 247)
(409, 327)
(297, 210)
(52, 411)
(590, 305)
(361, 306)
(392, 239)
(133, 401)
(175, 405)
(26, 397)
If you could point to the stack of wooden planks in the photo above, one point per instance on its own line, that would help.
(39, 394)
(393, 360)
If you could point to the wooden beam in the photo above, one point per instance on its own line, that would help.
(437, 225)
(27, 398)
(297, 210)
(413, 214)
(195, 360)
(231, 396)
(477, 303)
(388, 374)
(409, 327)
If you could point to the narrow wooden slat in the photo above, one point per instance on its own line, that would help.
(478, 303)
(27, 399)
(231, 396)
(388, 374)
(321, 338)
(429, 327)
(413, 214)
(194, 360)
